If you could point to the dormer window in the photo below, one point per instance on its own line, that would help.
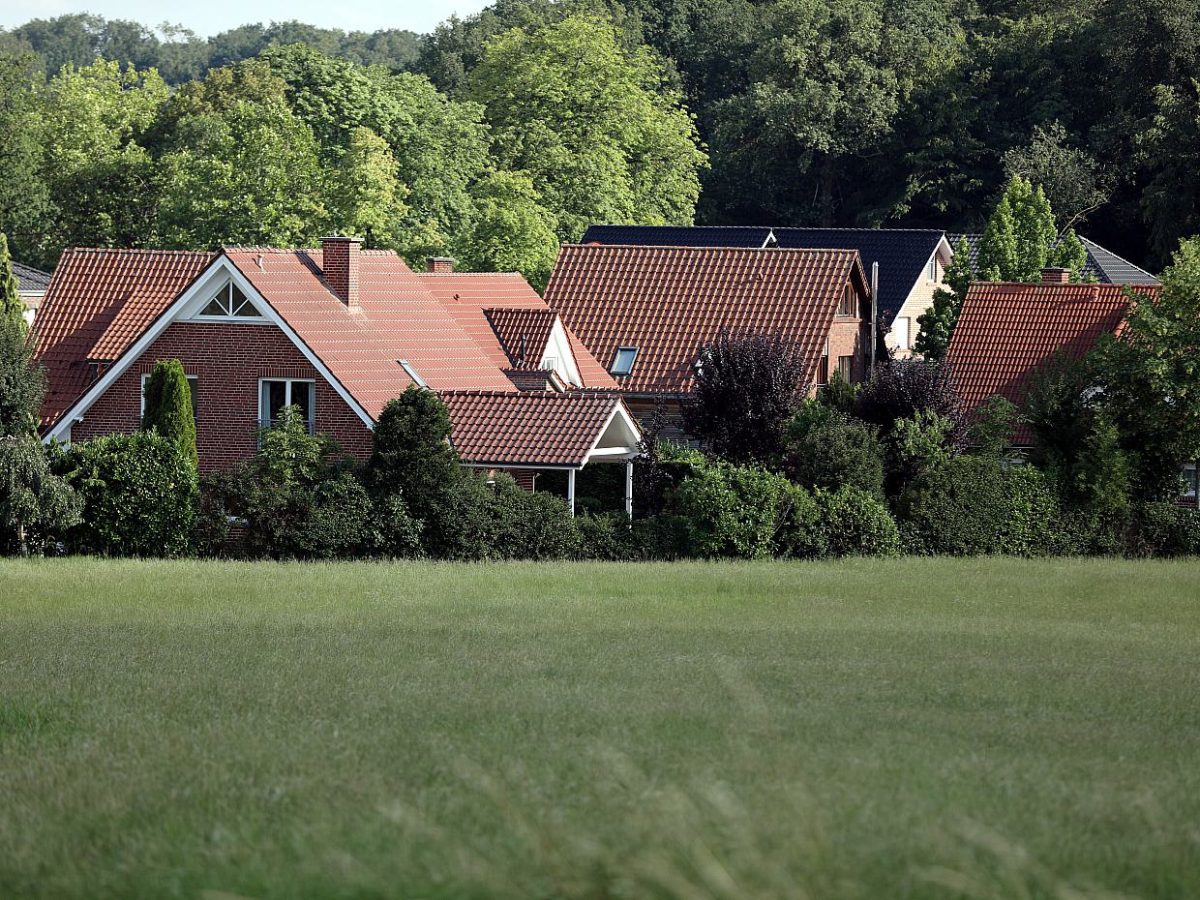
(229, 303)
(623, 361)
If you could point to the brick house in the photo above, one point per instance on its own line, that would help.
(912, 262)
(646, 311)
(336, 331)
(1008, 333)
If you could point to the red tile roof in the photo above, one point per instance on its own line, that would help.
(396, 319)
(670, 301)
(507, 428)
(523, 333)
(98, 304)
(468, 295)
(1007, 332)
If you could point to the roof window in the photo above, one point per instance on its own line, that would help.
(622, 363)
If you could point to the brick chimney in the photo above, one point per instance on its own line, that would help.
(339, 261)
(440, 265)
(1051, 275)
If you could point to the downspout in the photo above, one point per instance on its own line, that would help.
(874, 312)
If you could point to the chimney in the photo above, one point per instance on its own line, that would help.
(439, 265)
(1052, 275)
(339, 262)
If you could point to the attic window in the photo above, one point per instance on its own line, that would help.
(846, 307)
(623, 361)
(229, 303)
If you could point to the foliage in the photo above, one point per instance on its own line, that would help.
(24, 193)
(902, 388)
(838, 394)
(937, 323)
(36, 506)
(1019, 236)
(22, 382)
(739, 512)
(971, 505)
(1167, 529)
(1150, 379)
(918, 445)
(827, 449)
(992, 426)
(138, 494)
(510, 231)
(1169, 149)
(745, 390)
(1069, 175)
(532, 524)
(366, 198)
(593, 124)
(11, 306)
(857, 524)
(168, 407)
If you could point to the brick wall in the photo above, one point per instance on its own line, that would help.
(228, 360)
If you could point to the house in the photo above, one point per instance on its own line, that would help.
(912, 262)
(1103, 266)
(336, 331)
(31, 285)
(646, 311)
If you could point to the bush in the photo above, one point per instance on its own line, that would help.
(139, 495)
(901, 388)
(36, 506)
(857, 524)
(827, 449)
(1166, 529)
(532, 524)
(397, 534)
(801, 533)
(168, 407)
(973, 505)
(917, 445)
(744, 512)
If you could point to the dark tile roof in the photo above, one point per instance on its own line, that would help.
(523, 333)
(500, 428)
(668, 302)
(29, 279)
(1008, 332)
(1102, 265)
(902, 253)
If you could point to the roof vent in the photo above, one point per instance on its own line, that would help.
(1056, 275)
(339, 263)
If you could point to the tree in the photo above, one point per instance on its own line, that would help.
(35, 504)
(22, 382)
(592, 123)
(1150, 380)
(24, 194)
(904, 388)
(937, 323)
(746, 389)
(11, 306)
(828, 449)
(365, 197)
(1170, 147)
(168, 407)
(411, 453)
(1069, 175)
(511, 230)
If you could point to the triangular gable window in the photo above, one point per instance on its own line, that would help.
(229, 303)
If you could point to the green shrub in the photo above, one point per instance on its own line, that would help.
(973, 505)
(397, 533)
(827, 449)
(1166, 529)
(732, 511)
(139, 495)
(36, 506)
(607, 537)
(857, 524)
(168, 407)
(339, 522)
(801, 532)
(531, 524)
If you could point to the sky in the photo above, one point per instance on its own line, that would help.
(207, 17)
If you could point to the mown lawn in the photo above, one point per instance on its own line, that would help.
(859, 729)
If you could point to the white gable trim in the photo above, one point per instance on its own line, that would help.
(221, 267)
(558, 350)
(942, 251)
(627, 452)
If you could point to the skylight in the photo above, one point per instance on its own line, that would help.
(623, 361)
(229, 303)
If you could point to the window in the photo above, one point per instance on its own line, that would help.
(229, 303)
(276, 393)
(1191, 482)
(847, 306)
(193, 384)
(933, 269)
(901, 332)
(823, 366)
(623, 361)
(845, 367)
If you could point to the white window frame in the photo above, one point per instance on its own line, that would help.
(933, 268)
(264, 418)
(612, 370)
(902, 337)
(1189, 480)
(228, 286)
(193, 383)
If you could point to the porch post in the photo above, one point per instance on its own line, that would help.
(629, 489)
(571, 490)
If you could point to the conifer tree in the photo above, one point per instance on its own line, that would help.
(11, 306)
(169, 407)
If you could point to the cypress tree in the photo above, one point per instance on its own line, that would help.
(998, 252)
(22, 382)
(11, 306)
(169, 407)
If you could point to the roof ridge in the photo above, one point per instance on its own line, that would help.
(722, 249)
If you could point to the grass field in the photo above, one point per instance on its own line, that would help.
(913, 728)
